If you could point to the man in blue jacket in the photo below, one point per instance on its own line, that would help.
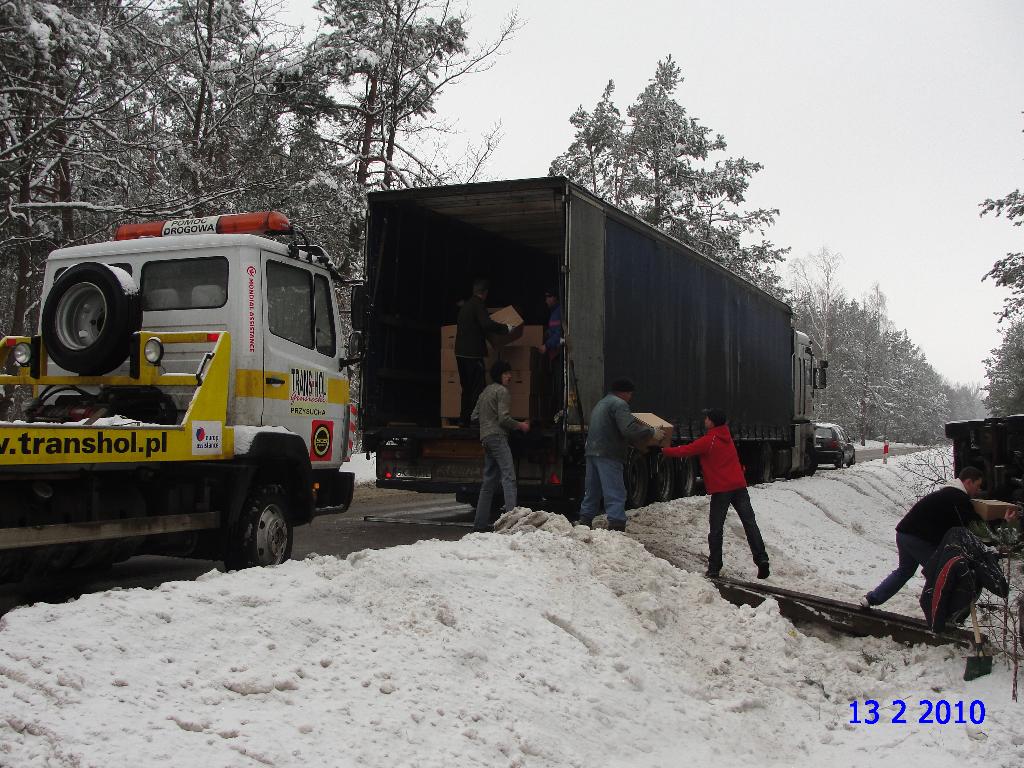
(612, 428)
(551, 349)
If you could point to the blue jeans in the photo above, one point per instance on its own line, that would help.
(498, 465)
(605, 480)
(913, 552)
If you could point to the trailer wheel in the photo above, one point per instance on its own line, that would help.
(664, 481)
(765, 465)
(636, 477)
(265, 531)
(686, 477)
(89, 317)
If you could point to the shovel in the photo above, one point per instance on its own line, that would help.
(980, 664)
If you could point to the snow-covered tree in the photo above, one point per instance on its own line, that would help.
(663, 167)
(1004, 371)
(597, 153)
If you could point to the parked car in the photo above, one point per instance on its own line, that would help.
(832, 445)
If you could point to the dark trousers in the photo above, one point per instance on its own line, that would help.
(471, 377)
(913, 553)
(555, 381)
(740, 500)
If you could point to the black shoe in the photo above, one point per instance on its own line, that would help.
(617, 525)
(585, 522)
(763, 571)
(483, 529)
(712, 573)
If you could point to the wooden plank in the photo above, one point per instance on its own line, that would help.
(100, 530)
(845, 617)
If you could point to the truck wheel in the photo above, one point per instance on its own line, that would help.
(636, 477)
(686, 477)
(89, 317)
(664, 482)
(264, 533)
(810, 459)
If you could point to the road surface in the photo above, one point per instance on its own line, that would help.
(396, 517)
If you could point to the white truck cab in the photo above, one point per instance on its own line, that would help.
(209, 354)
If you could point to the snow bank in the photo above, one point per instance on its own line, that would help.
(553, 647)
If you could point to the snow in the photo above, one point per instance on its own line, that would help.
(364, 465)
(244, 436)
(539, 646)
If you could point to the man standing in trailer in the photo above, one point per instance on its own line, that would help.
(474, 324)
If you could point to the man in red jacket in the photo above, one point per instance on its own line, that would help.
(723, 479)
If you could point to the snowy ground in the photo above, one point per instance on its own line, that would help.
(365, 469)
(547, 647)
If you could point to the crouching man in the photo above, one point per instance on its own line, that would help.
(492, 412)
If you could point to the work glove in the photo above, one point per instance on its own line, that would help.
(659, 434)
(510, 327)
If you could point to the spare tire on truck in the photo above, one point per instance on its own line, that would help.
(89, 317)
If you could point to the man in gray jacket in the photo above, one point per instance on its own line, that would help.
(492, 411)
(612, 428)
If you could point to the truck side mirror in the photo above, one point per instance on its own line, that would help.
(820, 378)
(358, 307)
(354, 351)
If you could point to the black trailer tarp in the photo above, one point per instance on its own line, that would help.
(692, 335)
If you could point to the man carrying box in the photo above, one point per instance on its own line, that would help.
(612, 428)
(474, 324)
(921, 530)
(723, 479)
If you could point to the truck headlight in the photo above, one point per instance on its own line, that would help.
(22, 354)
(153, 351)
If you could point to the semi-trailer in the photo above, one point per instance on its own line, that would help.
(635, 302)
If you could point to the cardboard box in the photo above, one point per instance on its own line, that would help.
(531, 336)
(651, 420)
(507, 316)
(990, 509)
(520, 358)
(448, 362)
(448, 336)
(451, 395)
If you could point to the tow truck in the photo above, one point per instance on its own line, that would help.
(188, 396)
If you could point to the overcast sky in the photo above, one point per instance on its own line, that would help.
(880, 125)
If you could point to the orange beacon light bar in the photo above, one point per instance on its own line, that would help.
(264, 222)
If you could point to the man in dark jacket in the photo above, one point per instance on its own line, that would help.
(492, 411)
(724, 480)
(474, 324)
(920, 531)
(612, 428)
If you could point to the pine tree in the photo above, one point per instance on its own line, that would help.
(1004, 371)
(597, 151)
(659, 165)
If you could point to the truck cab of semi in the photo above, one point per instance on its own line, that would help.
(189, 396)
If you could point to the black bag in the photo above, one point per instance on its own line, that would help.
(954, 577)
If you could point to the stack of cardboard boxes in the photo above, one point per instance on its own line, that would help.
(528, 389)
